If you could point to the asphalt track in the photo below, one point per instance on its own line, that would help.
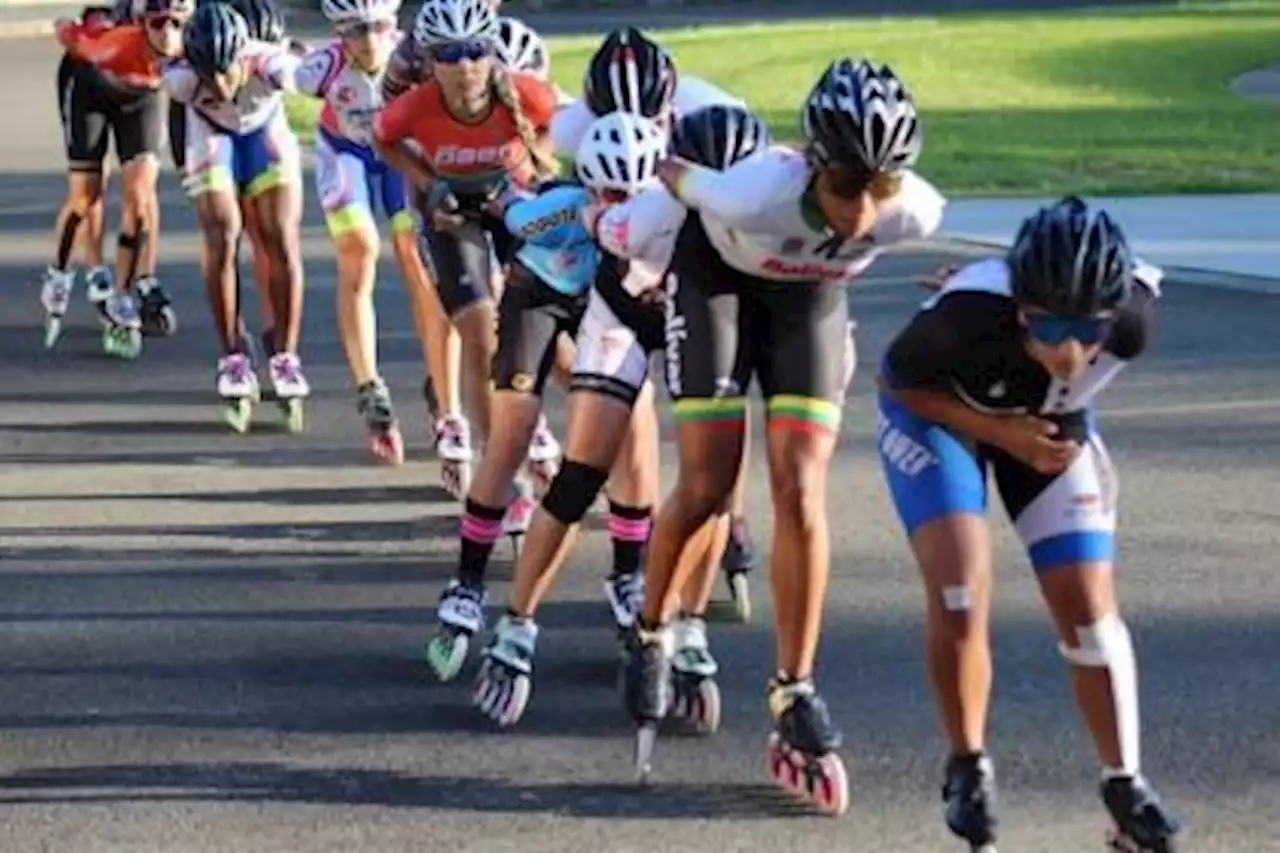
(210, 642)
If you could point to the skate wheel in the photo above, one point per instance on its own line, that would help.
(740, 590)
(168, 321)
(388, 447)
(294, 415)
(517, 543)
(830, 785)
(822, 781)
(52, 331)
(446, 653)
(237, 414)
(708, 701)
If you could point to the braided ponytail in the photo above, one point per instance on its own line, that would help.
(505, 91)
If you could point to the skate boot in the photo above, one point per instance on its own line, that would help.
(646, 689)
(625, 594)
(1142, 823)
(544, 458)
(122, 338)
(461, 615)
(99, 283)
(515, 523)
(801, 747)
(373, 401)
(238, 388)
(453, 448)
(505, 682)
(739, 560)
(158, 317)
(290, 387)
(696, 697)
(55, 297)
(970, 795)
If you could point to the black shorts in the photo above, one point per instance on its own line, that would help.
(531, 318)
(178, 134)
(93, 112)
(462, 263)
(724, 328)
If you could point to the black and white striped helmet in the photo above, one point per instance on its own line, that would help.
(1070, 260)
(522, 49)
(631, 73)
(861, 115)
(719, 136)
(620, 152)
(441, 21)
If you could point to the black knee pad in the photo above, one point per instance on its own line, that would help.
(573, 491)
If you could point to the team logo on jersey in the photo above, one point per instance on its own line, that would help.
(465, 155)
(791, 246)
(522, 383)
(345, 96)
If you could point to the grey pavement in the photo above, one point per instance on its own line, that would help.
(211, 641)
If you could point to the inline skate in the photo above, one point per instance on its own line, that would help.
(970, 794)
(505, 682)
(159, 320)
(1141, 823)
(453, 449)
(647, 691)
(373, 402)
(695, 694)
(461, 615)
(801, 750)
(290, 387)
(238, 389)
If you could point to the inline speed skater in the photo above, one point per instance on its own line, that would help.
(630, 72)
(541, 307)
(1040, 331)
(627, 303)
(240, 147)
(518, 48)
(112, 86)
(351, 179)
(461, 138)
(759, 267)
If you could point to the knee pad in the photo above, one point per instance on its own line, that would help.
(1105, 643)
(573, 491)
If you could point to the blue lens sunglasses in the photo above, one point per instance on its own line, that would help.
(453, 52)
(1052, 330)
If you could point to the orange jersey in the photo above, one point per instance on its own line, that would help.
(120, 53)
(455, 149)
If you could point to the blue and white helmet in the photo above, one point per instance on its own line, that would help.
(340, 12)
(620, 152)
(441, 21)
(522, 49)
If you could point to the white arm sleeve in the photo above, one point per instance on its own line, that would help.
(316, 71)
(181, 81)
(741, 192)
(569, 125)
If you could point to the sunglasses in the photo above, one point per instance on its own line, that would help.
(453, 52)
(160, 23)
(1053, 330)
(366, 28)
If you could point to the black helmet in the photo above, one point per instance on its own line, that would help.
(861, 115)
(215, 38)
(629, 73)
(719, 136)
(265, 20)
(1070, 260)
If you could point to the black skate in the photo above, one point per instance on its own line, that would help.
(970, 795)
(1142, 823)
(156, 313)
(646, 689)
(801, 747)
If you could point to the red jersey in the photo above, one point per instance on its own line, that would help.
(455, 149)
(120, 53)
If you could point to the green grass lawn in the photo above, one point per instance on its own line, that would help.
(1102, 102)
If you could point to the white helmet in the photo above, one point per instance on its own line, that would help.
(442, 21)
(620, 152)
(521, 49)
(359, 11)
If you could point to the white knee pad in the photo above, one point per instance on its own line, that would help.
(1107, 644)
